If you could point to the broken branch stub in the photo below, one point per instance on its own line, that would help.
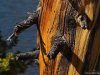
(83, 21)
(59, 44)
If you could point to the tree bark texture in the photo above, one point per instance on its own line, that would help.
(59, 18)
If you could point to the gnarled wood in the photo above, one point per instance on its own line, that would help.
(58, 18)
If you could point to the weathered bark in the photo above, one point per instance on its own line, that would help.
(27, 55)
(58, 18)
(32, 19)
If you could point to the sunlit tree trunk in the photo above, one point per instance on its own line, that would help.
(83, 53)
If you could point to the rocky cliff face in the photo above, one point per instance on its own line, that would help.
(59, 19)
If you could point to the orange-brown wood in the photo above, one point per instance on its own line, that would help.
(86, 54)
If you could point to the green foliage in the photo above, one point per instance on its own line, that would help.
(12, 67)
(8, 64)
(5, 62)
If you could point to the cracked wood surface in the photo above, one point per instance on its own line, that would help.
(84, 55)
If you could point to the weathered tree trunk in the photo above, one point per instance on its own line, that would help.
(59, 18)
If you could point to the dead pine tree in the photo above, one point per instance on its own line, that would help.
(68, 36)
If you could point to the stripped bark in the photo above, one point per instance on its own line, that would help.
(59, 18)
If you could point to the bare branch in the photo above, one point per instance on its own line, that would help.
(32, 19)
(27, 55)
